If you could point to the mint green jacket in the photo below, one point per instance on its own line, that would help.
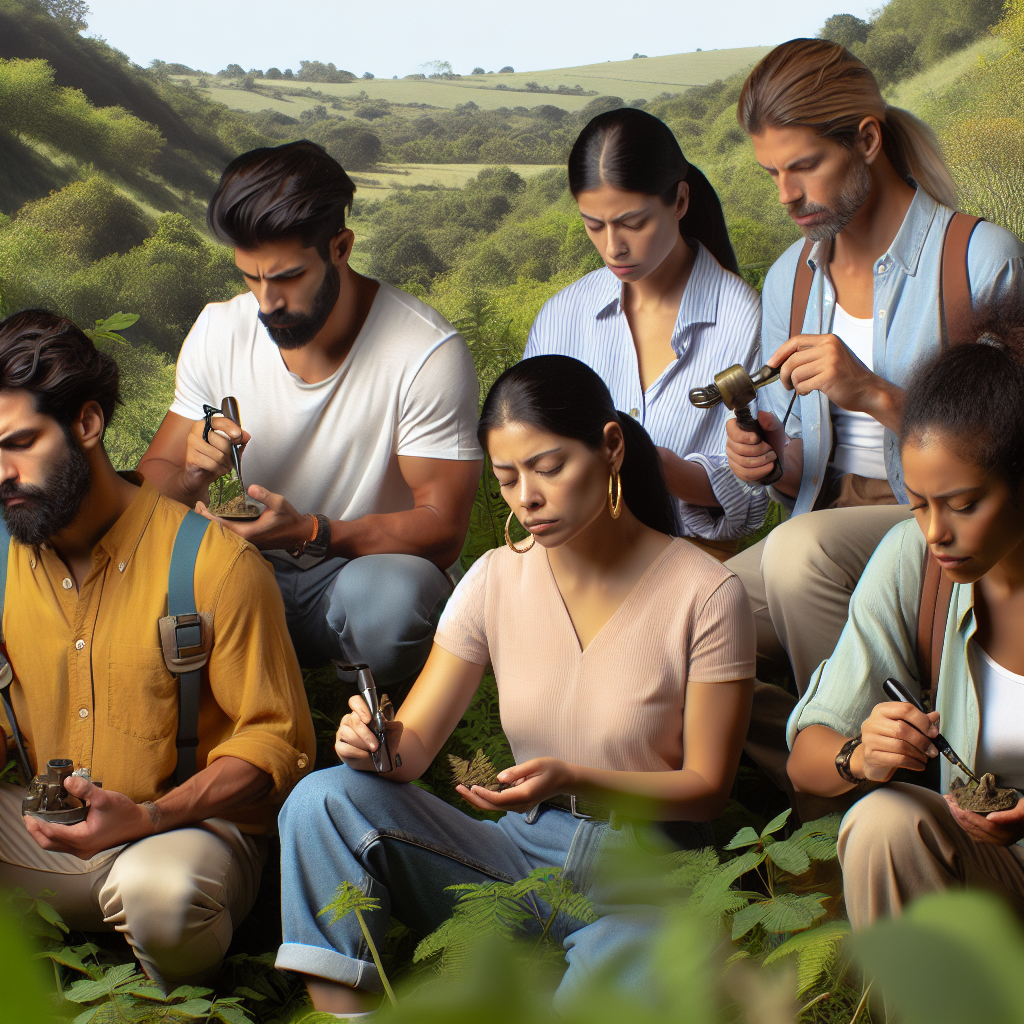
(880, 640)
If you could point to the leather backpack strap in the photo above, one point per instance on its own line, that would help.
(936, 595)
(955, 304)
(801, 291)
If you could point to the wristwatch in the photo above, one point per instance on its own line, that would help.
(843, 760)
(316, 546)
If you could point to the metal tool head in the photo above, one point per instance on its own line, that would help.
(381, 712)
(250, 510)
(47, 799)
(733, 386)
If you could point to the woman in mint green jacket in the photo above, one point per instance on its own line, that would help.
(962, 447)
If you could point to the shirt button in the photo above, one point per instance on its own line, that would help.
(881, 314)
(31, 563)
(67, 584)
(303, 761)
(79, 644)
(120, 566)
(83, 712)
(634, 413)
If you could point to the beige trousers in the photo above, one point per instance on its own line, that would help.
(901, 842)
(176, 897)
(799, 580)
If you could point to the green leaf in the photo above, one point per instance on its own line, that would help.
(815, 951)
(193, 1008)
(347, 899)
(248, 993)
(117, 322)
(818, 838)
(51, 916)
(117, 976)
(787, 912)
(747, 918)
(229, 1013)
(745, 837)
(776, 823)
(71, 958)
(86, 1016)
(788, 856)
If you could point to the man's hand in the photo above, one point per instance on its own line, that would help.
(895, 735)
(998, 828)
(750, 458)
(206, 461)
(279, 527)
(531, 783)
(823, 362)
(113, 820)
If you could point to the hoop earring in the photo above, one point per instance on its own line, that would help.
(615, 507)
(508, 538)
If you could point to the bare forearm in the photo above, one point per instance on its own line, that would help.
(683, 795)
(228, 784)
(886, 404)
(171, 481)
(812, 763)
(420, 531)
(687, 480)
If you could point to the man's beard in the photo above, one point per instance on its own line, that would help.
(50, 508)
(851, 196)
(295, 330)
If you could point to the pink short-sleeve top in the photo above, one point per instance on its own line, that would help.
(618, 704)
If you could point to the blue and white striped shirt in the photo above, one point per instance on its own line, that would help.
(719, 324)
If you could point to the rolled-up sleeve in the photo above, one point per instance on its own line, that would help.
(255, 677)
(878, 641)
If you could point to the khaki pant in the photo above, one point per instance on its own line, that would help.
(799, 580)
(176, 897)
(901, 842)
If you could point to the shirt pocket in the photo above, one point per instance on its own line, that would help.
(142, 696)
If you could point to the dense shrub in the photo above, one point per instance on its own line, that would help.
(353, 145)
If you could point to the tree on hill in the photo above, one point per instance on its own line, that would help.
(353, 145)
(232, 71)
(317, 71)
(478, 71)
(439, 68)
(70, 13)
(368, 74)
(274, 74)
(507, 70)
(845, 29)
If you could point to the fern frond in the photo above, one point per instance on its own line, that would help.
(783, 913)
(815, 950)
(691, 866)
(818, 838)
(348, 898)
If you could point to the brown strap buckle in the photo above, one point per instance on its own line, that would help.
(186, 641)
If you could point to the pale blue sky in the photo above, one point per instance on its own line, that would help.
(394, 37)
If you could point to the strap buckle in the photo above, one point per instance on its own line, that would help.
(182, 639)
(573, 811)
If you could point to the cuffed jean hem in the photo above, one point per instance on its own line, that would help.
(328, 964)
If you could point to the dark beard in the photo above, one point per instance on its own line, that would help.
(849, 199)
(52, 507)
(295, 330)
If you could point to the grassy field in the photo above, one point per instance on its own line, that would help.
(390, 176)
(915, 92)
(630, 79)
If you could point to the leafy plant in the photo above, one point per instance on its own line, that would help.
(503, 911)
(350, 899)
(110, 328)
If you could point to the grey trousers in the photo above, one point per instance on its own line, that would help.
(380, 610)
(176, 897)
(799, 580)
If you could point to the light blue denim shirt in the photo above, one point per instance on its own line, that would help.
(880, 640)
(907, 329)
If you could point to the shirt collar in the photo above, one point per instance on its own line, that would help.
(908, 244)
(121, 540)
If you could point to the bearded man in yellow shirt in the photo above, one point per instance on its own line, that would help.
(171, 849)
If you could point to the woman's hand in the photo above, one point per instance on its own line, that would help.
(529, 784)
(895, 735)
(997, 828)
(355, 739)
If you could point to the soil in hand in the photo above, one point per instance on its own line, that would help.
(237, 508)
(984, 796)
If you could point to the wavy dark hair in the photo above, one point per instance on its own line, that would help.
(632, 150)
(51, 358)
(297, 190)
(973, 395)
(563, 396)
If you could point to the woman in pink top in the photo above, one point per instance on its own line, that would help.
(624, 659)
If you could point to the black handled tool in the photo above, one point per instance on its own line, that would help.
(382, 711)
(895, 690)
(737, 388)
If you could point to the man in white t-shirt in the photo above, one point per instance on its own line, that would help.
(359, 404)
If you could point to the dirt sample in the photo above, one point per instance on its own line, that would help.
(237, 508)
(983, 797)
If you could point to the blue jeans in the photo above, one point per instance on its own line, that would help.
(403, 846)
(378, 609)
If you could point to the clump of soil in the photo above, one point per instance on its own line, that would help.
(478, 772)
(983, 797)
(237, 508)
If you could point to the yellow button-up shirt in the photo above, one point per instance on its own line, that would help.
(90, 679)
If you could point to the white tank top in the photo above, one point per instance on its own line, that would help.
(1001, 738)
(859, 437)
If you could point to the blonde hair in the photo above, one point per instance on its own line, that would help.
(817, 84)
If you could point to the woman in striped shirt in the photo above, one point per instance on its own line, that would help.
(665, 313)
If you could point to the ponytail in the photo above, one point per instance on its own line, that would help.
(562, 396)
(632, 150)
(817, 84)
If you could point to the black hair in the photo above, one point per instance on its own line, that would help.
(292, 191)
(973, 394)
(51, 358)
(632, 150)
(563, 396)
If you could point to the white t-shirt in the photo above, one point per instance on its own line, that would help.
(1001, 699)
(407, 387)
(859, 437)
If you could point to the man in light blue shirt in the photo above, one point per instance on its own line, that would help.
(866, 183)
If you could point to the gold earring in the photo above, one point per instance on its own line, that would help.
(615, 507)
(508, 538)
